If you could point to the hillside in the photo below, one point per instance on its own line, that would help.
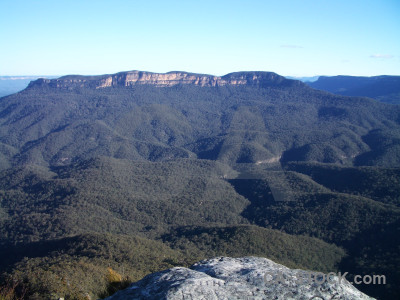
(60, 121)
(382, 88)
(141, 171)
(13, 84)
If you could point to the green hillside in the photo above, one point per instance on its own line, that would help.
(101, 186)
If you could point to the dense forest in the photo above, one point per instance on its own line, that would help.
(99, 187)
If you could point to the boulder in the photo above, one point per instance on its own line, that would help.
(240, 278)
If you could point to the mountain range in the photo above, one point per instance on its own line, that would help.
(135, 172)
(382, 88)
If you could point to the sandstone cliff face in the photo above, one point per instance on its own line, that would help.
(238, 278)
(133, 78)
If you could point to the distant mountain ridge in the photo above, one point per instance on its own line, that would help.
(382, 88)
(13, 84)
(152, 116)
(133, 78)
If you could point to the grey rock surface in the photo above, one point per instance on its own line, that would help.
(239, 278)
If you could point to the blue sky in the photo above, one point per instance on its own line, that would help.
(298, 37)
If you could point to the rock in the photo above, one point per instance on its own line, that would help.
(134, 78)
(239, 278)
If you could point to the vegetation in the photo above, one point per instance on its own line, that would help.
(12, 290)
(50, 126)
(124, 205)
(93, 264)
(246, 240)
(99, 187)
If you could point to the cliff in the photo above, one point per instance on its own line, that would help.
(133, 78)
(238, 278)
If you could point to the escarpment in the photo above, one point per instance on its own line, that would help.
(134, 78)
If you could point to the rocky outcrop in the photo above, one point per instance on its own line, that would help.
(239, 278)
(134, 78)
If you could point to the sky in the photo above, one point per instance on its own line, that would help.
(289, 37)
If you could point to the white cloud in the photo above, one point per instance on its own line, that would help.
(381, 56)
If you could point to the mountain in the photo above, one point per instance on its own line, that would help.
(13, 84)
(382, 88)
(304, 79)
(105, 179)
(243, 117)
(240, 278)
(134, 78)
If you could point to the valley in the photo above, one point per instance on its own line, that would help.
(140, 172)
